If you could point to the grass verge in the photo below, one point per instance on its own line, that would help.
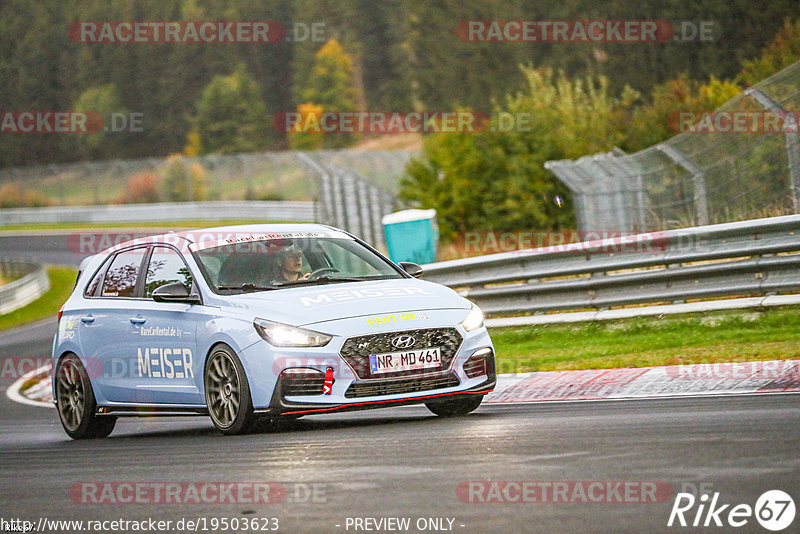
(62, 280)
(730, 336)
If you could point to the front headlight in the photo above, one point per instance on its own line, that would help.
(473, 320)
(284, 335)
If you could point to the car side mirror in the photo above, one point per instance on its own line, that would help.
(175, 292)
(411, 268)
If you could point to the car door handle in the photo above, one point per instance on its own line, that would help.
(138, 320)
(87, 319)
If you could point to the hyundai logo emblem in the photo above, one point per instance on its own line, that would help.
(403, 342)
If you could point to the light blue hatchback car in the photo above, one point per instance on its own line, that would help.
(243, 323)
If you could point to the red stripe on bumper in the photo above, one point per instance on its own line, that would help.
(317, 410)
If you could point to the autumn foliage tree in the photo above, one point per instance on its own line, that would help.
(142, 188)
(496, 180)
(329, 86)
(778, 54)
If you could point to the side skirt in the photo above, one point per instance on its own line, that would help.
(151, 411)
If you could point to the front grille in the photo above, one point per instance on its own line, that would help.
(356, 350)
(307, 382)
(399, 386)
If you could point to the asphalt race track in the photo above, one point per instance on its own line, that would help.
(44, 248)
(405, 462)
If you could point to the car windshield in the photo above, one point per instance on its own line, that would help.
(255, 263)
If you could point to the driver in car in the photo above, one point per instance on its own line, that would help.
(290, 265)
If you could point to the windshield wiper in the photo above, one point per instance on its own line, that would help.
(327, 279)
(247, 287)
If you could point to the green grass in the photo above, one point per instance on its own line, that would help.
(153, 225)
(732, 336)
(62, 281)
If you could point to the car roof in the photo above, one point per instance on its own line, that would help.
(220, 232)
(192, 235)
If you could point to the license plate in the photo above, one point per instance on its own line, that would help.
(407, 360)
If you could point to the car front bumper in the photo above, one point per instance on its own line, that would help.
(354, 388)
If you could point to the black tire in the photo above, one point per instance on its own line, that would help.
(228, 392)
(75, 402)
(455, 407)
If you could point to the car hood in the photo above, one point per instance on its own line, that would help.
(313, 304)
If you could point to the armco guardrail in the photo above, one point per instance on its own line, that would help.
(290, 211)
(748, 258)
(31, 283)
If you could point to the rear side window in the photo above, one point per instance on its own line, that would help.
(166, 267)
(122, 274)
(91, 289)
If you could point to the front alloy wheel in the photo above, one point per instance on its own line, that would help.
(227, 392)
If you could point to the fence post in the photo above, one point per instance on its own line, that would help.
(792, 144)
(377, 213)
(698, 177)
(325, 205)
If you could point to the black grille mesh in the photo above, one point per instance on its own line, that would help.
(399, 386)
(302, 384)
(356, 350)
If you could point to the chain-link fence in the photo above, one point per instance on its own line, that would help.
(351, 189)
(722, 172)
(253, 176)
(355, 192)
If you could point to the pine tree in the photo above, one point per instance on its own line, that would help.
(231, 117)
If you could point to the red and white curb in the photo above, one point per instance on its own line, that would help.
(777, 376)
(692, 380)
(38, 394)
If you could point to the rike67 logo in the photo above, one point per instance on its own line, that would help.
(774, 510)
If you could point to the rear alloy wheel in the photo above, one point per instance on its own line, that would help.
(76, 403)
(228, 393)
(455, 407)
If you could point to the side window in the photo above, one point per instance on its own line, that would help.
(121, 276)
(94, 284)
(91, 289)
(166, 267)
